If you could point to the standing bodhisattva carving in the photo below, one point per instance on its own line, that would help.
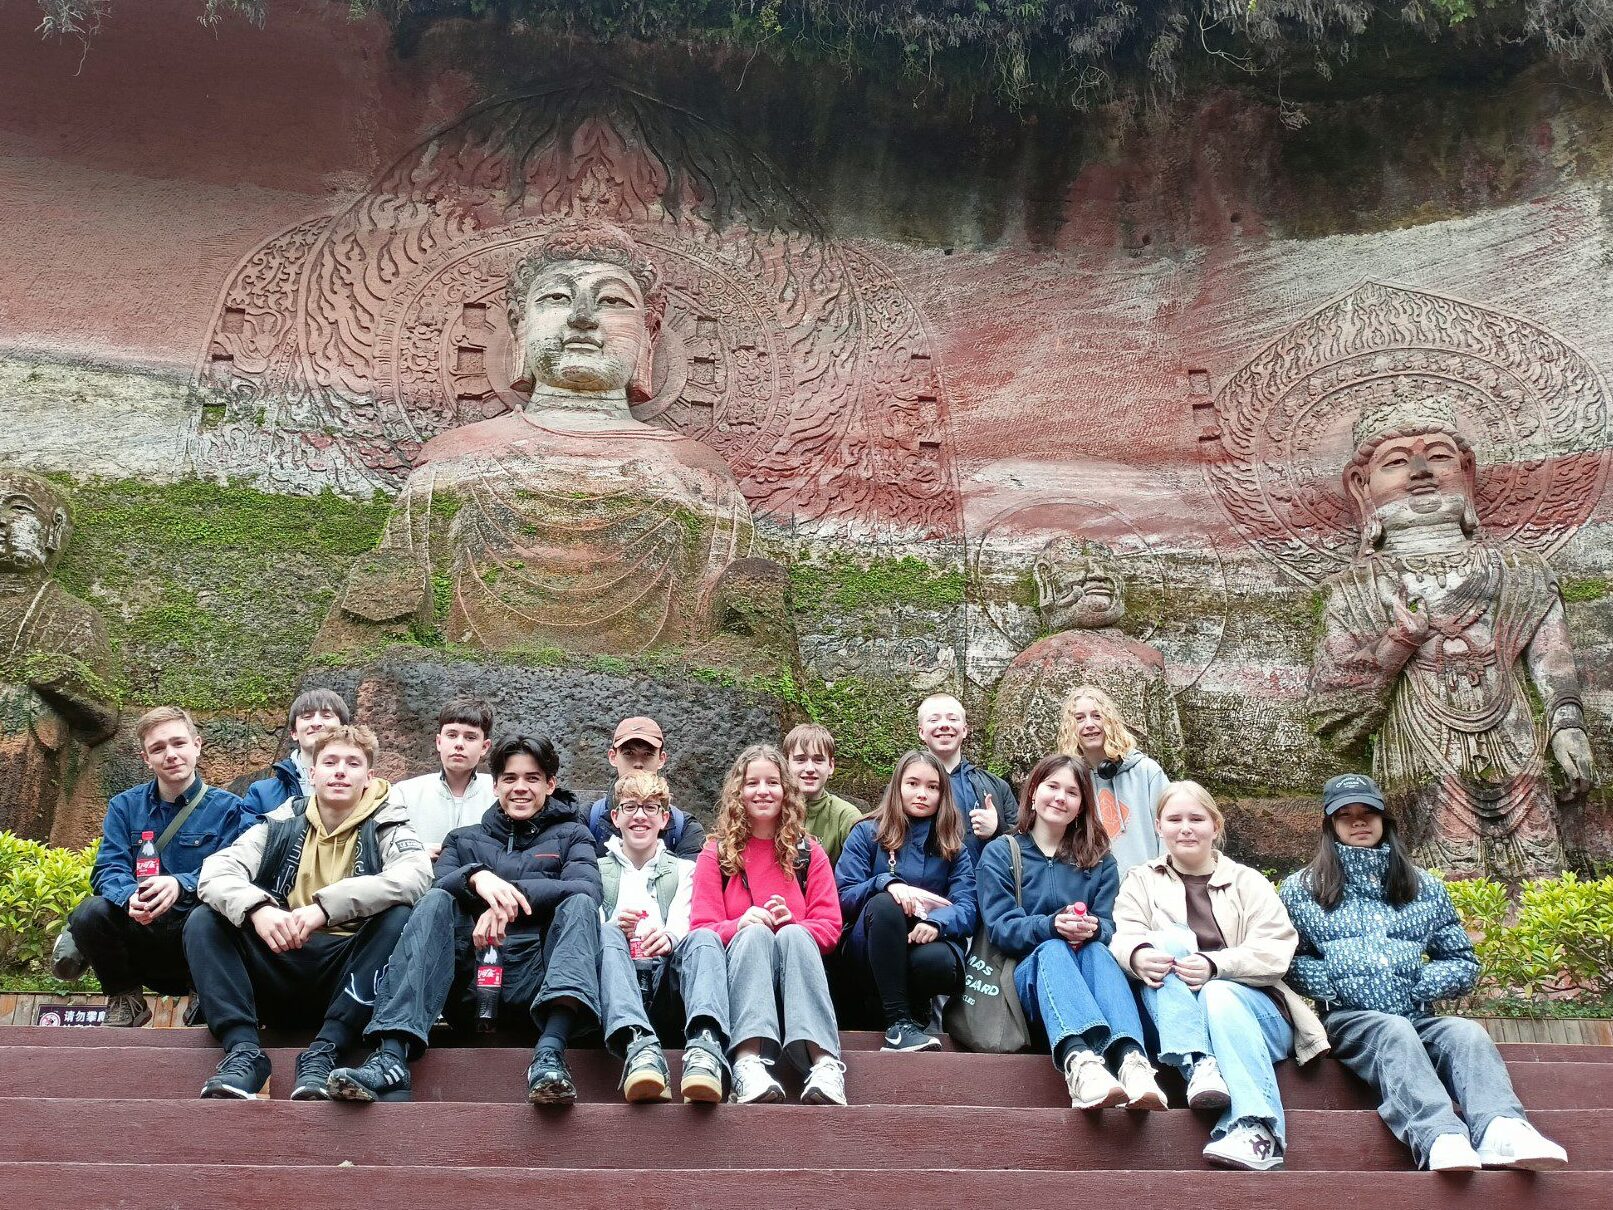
(56, 669)
(1474, 444)
(1430, 642)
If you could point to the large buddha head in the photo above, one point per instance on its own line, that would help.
(585, 307)
(33, 522)
(1412, 469)
(1077, 587)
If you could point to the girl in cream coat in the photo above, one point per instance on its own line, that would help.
(1210, 941)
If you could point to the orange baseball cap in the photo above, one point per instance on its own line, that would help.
(639, 727)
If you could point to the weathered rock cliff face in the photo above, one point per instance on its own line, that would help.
(246, 268)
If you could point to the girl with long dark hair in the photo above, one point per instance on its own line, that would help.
(1059, 926)
(1379, 945)
(908, 885)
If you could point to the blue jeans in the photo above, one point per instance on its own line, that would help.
(1078, 993)
(1418, 1066)
(1239, 1026)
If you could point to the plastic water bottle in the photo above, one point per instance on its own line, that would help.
(146, 863)
(489, 983)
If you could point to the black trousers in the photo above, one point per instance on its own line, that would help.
(330, 982)
(128, 956)
(437, 957)
(906, 976)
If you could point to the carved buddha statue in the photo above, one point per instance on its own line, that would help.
(56, 669)
(1429, 646)
(568, 523)
(1081, 600)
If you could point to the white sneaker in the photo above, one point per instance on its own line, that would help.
(1453, 1153)
(825, 1083)
(1205, 1087)
(1248, 1145)
(1137, 1077)
(1090, 1084)
(1514, 1143)
(753, 1083)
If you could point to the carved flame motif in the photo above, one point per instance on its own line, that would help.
(341, 346)
(1533, 407)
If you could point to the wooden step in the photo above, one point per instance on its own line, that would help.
(850, 1040)
(663, 1136)
(52, 1186)
(872, 1078)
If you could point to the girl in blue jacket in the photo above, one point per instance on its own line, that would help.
(1379, 944)
(908, 885)
(1059, 925)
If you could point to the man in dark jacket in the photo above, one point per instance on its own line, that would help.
(314, 711)
(984, 800)
(638, 746)
(526, 880)
(131, 930)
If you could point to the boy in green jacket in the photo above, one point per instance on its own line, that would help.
(810, 750)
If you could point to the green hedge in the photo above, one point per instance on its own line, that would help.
(39, 886)
(1554, 944)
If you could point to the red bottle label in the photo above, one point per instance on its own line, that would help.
(146, 867)
(489, 976)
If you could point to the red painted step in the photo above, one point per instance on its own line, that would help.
(654, 1137)
(467, 1075)
(185, 1187)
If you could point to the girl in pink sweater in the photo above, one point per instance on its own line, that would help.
(766, 889)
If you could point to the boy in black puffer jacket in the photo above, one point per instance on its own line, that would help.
(525, 879)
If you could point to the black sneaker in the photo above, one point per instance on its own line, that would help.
(380, 1075)
(314, 1066)
(645, 1076)
(548, 1080)
(241, 1075)
(193, 1012)
(907, 1036)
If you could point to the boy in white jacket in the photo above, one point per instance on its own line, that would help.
(649, 960)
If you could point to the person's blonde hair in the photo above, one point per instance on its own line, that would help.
(355, 734)
(733, 824)
(157, 716)
(642, 785)
(1199, 795)
(1117, 741)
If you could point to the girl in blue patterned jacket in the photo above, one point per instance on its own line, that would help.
(1379, 944)
(907, 884)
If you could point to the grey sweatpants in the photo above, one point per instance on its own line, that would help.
(696, 965)
(778, 992)
(1418, 1066)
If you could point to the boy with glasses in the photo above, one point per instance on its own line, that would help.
(650, 964)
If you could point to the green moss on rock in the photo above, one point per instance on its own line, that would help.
(843, 582)
(212, 593)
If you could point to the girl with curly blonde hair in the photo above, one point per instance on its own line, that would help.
(766, 889)
(1126, 780)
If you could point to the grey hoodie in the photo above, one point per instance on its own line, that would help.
(1126, 806)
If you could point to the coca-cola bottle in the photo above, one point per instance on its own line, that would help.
(489, 983)
(635, 947)
(146, 863)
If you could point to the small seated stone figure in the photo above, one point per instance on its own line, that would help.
(56, 669)
(569, 523)
(1081, 599)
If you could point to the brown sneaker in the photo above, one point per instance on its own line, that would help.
(127, 1010)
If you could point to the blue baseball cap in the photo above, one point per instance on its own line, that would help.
(1348, 789)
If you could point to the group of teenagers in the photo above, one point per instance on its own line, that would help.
(325, 897)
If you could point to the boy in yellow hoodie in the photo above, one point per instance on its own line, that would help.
(299, 916)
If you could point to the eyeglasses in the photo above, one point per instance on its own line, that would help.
(640, 808)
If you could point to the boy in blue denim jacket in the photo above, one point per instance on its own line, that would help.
(131, 933)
